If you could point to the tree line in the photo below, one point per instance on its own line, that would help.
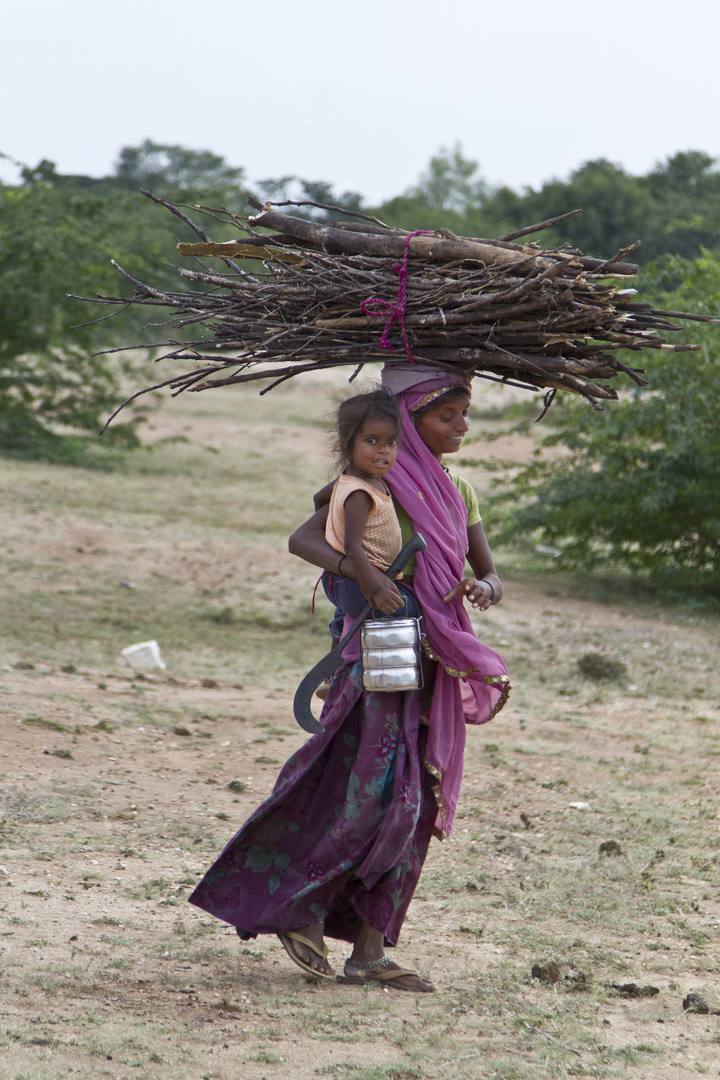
(638, 484)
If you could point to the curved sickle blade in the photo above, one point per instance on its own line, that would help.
(330, 663)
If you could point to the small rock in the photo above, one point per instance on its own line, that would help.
(579, 981)
(180, 730)
(128, 585)
(610, 847)
(601, 668)
(547, 973)
(632, 990)
(226, 1006)
(695, 1004)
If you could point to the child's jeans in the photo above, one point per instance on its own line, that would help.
(348, 598)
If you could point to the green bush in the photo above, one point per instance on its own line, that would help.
(638, 484)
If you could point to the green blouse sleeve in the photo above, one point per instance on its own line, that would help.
(467, 491)
(469, 497)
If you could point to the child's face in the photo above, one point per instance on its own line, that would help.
(375, 448)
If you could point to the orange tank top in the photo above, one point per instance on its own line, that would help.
(382, 539)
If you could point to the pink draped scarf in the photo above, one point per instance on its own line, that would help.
(471, 683)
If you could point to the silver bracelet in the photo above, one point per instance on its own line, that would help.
(341, 560)
(484, 581)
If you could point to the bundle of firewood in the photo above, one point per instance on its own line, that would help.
(348, 293)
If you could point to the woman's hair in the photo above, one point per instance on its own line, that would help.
(352, 414)
(438, 401)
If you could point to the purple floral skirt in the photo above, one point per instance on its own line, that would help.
(344, 835)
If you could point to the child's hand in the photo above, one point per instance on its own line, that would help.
(381, 592)
(387, 599)
(477, 592)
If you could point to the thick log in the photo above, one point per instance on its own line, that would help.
(339, 239)
(388, 245)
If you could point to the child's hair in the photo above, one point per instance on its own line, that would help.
(352, 414)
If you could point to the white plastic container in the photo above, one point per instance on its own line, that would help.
(145, 656)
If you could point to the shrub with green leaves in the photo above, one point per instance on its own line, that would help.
(639, 484)
(52, 389)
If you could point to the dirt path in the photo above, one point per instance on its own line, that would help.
(118, 791)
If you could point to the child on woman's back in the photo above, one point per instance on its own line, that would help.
(362, 524)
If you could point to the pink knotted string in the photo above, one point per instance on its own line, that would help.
(397, 309)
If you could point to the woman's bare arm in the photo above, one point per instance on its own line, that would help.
(309, 543)
(485, 588)
(322, 497)
(480, 558)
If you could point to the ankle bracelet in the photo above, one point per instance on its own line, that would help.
(370, 965)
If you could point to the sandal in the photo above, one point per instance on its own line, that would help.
(377, 971)
(291, 936)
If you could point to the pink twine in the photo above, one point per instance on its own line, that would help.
(396, 310)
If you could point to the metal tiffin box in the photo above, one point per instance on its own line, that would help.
(390, 654)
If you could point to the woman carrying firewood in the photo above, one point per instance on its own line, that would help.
(338, 847)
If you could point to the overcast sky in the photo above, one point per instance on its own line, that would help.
(362, 94)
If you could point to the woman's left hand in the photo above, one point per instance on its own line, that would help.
(477, 592)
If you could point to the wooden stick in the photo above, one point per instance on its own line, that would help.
(234, 250)
(541, 225)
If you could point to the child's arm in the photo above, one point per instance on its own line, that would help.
(322, 497)
(377, 587)
(485, 588)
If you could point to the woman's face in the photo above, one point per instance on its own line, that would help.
(443, 428)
